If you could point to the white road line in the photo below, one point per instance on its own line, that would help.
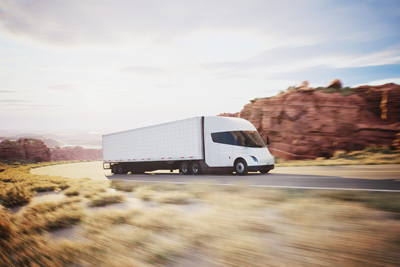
(281, 186)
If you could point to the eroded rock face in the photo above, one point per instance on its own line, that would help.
(76, 153)
(229, 114)
(25, 148)
(311, 124)
(337, 84)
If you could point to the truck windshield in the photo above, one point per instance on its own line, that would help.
(239, 138)
(254, 138)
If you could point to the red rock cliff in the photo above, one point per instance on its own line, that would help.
(76, 153)
(309, 123)
(25, 148)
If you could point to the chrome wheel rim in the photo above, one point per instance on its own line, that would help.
(195, 168)
(240, 167)
(184, 168)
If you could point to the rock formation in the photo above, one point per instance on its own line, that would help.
(76, 153)
(337, 84)
(229, 114)
(25, 148)
(306, 124)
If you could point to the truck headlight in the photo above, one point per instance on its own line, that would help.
(255, 159)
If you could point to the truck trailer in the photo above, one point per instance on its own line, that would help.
(194, 146)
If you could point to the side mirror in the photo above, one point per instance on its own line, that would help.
(267, 141)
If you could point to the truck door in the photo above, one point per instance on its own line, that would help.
(213, 154)
(225, 155)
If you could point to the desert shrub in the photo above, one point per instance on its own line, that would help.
(126, 186)
(15, 194)
(21, 249)
(172, 197)
(385, 150)
(339, 154)
(372, 148)
(49, 215)
(377, 200)
(43, 207)
(105, 199)
(7, 228)
(346, 91)
(43, 186)
(330, 90)
(144, 193)
(72, 191)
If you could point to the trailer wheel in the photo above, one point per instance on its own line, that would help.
(122, 169)
(115, 168)
(185, 168)
(241, 167)
(195, 168)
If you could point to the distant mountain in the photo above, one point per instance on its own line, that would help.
(47, 141)
(86, 140)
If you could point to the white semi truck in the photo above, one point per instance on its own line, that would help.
(194, 146)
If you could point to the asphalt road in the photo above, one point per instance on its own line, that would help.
(357, 177)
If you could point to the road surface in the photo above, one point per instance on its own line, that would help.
(356, 177)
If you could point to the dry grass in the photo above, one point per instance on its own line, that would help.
(220, 226)
(49, 216)
(174, 197)
(372, 155)
(124, 185)
(104, 199)
(21, 249)
(15, 194)
(286, 228)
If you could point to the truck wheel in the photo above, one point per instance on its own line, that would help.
(195, 168)
(115, 168)
(241, 167)
(185, 168)
(121, 169)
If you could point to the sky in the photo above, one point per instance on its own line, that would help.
(105, 66)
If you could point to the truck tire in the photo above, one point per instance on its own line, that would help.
(241, 167)
(195, 168)
(185, 168)
(122, 169)
(115, 168)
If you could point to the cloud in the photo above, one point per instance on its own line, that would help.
(63, 87)
(322, 75)
(11, 101)
(285, 60)
(105, 21)
(6, 91)
(144, 70)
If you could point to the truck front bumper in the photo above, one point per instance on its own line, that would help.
(261, 168)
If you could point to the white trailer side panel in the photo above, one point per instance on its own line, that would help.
(178, 140)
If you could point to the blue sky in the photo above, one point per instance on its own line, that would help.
(103, 66)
